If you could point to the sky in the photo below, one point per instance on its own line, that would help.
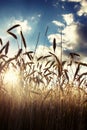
(35, 16)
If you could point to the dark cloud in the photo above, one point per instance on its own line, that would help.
(80, 45)
(82, 39)
(82, 32)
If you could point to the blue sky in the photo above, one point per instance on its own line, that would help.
(34, 17)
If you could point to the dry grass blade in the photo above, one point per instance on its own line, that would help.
(46, 30)
(40, 58)
(74, 54)
(46, 56)
(52, 64)
(55, 58)
(1, 42)
(46, 95)
(62, 84)
(40, 67)
(83, 90)
(6, 48)
(47, 63)
(28, 54)
(53, 73)
(54, 44)
(81, 76)
(29, 63)
(30, 74)
(30, 57)
(38, 80)
(18, 54)
(58, 64)
(37, 64)
(35, 92)
(48, 74)
(81, 63)
(46, 69)
(14, 66)
(77, 70)
(2, 49)
(71, 61)
(1, 56)
(12, 34)
(65, 70)
(23, 39)
(37, 42)
(63, 63)
(80, 82)
(15, 26)
(8, 61)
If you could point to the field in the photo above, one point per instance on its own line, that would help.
(41, 93)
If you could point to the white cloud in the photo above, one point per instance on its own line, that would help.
(41, 48)
(56, 36)
(11, 22)
(26, 28)
(70, 36)
(83, 8)
(63, 0)
(74, 0)
(58, 23)
(74, 38)
(69, 18)
(24, 24)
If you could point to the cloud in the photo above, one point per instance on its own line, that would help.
(58, 23)
(68, 18)
(56, 36)
(74, 38)
(26, 28)
(24, 24)
(69, 40)
(77, 38)
(83, 8)
(82, 39)
(41, 48)
(70, 35)
(74, 0)
(39, 51)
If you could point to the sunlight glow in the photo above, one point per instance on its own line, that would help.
(11, 77)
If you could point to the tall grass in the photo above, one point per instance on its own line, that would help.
(45, 97)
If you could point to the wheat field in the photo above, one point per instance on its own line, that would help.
(40, 93)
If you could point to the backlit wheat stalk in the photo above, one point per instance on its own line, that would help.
(33, 72)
